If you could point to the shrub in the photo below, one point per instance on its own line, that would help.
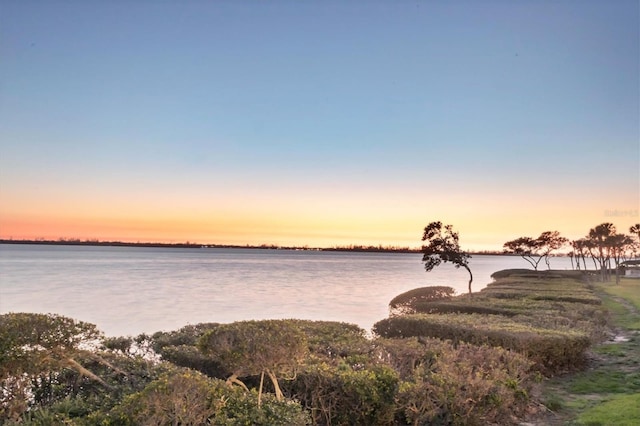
(468, 385)
(36, 351)
(247, 348)
(189, 398)
(333, 341)
(405, 303)
(187, 335)
(553, 351)
(191, 357)
(461, 307)
(405, 355)
(120, 345)
(342, 395)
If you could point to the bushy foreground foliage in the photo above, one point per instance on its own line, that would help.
(190, 398)
(53, 366)
(344, 395)
(467, 385)
(439, 359)
(331, 374)
(552, 351)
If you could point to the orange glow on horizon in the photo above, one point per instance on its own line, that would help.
(478, 232)
(294, 216)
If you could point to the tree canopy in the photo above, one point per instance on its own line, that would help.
(274, 347)
(442, 246)
(533, 250)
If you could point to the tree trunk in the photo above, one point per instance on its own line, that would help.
(234, 379)
(470, 279)
(274, 380)
(84, 372)
(260, 388)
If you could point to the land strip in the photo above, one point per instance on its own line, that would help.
(607, 392)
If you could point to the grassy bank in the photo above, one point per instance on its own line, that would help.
(608, 391)
(584, 336)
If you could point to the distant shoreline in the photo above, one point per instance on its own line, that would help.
(349, 248)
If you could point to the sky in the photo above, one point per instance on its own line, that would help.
(317, 123)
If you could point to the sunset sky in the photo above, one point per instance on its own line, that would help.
(317, 123)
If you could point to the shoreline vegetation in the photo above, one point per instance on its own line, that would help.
(532, 348)
(346, 248)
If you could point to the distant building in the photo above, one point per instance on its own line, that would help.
(631, 268)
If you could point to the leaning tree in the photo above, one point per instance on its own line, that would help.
(442, 245)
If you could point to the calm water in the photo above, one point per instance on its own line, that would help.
(130, 290)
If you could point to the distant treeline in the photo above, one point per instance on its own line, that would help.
(188, 244)
(77, 242)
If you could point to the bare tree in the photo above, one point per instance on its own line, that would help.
(442, 245)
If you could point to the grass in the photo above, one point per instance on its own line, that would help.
(629, 289)
(608, 393)
(623, 410)
(623, 301)
(605, 380)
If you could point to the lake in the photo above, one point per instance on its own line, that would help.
(131, 290)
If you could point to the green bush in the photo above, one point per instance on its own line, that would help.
(191, 357)
(190, 398)
(586, 299)
(552, 351)
(406, 355)
(185, 336)
(332, 341)
(467, 385)
(38, 353)
(406, 302)
(341, 395)
(458, 306)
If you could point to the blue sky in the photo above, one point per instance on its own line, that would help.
(319, 122)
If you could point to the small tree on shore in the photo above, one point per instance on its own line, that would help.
(599, 242)
(525, 247)
(580, 251)
(533, 250)
(550, 241)
(442, 245)
(619, 245)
